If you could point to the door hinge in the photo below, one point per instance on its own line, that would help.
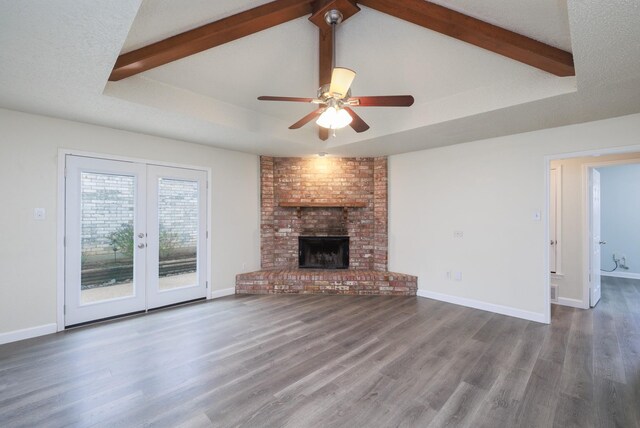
(207, 284)
(64, 241)
(207, 234)
(207, 184)
(64, 309)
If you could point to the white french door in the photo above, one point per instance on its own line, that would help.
(176, 212)
(135, 237)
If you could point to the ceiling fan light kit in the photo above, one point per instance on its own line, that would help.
(333, 118)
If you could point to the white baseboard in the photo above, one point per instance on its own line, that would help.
(574, 303)
(27, 333)
(216, 294)
(484, 306)
(622, 275)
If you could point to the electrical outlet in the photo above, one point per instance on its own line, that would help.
(448, 274)
(244, 266)
(458, 234)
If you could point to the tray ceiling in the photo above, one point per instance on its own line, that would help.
(210, 97)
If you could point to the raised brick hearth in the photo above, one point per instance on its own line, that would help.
(315, 281)
(324, 197)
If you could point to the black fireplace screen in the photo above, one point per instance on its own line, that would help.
(323, 252)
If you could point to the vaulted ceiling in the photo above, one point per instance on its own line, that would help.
(56, 59)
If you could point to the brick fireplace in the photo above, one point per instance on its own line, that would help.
(336, 198)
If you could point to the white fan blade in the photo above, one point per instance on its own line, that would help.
(341, 80)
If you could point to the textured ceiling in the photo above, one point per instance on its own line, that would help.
(55, 59)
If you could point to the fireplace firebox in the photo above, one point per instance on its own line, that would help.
(323, 252)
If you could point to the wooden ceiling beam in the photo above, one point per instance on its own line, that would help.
(326, 67)
(420, 12)
(478, 33)
(210, 35)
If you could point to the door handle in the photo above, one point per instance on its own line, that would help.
(141, 245)
(140, 235)
(602, 242)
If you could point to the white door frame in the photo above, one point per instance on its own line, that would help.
(585, 210)
(60, 245)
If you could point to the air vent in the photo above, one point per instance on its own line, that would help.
(554, 293)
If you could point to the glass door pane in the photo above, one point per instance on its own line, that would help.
(108, 246)
(178, 233)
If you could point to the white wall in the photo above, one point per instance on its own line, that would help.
(571, 265)
(620, 215)
(28, 175)
(489, 190)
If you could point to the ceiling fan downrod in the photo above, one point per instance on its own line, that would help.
(333, 17)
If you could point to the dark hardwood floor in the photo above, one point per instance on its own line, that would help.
(315, 361)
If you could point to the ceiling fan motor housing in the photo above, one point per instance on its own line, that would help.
(324, 94)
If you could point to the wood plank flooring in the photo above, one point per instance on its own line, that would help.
(333, 361)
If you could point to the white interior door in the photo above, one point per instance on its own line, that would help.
(176, 227)
(596, 241)
(553, 216)
(104, 267)
(135, 237)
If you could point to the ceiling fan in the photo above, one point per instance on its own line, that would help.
(335, 98)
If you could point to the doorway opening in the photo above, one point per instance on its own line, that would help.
(594, 225)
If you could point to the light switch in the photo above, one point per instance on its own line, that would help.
(457, 276)
(39, 214)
